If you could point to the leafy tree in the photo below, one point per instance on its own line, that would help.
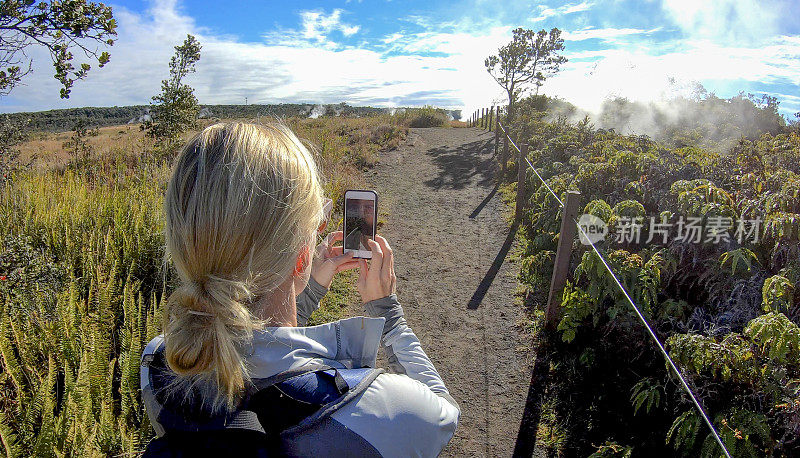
(530, 57)
(175, 109)
(60, 27)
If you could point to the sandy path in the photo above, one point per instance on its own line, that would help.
(447, 228)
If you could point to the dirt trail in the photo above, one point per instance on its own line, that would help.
(445, 222)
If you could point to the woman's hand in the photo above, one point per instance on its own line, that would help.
(377, 280)
(329, 260)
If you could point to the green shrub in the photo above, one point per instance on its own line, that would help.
(426, 116)
(727, 310)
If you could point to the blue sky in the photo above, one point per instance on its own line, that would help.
(400, 53)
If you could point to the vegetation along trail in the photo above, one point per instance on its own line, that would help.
(447, 225)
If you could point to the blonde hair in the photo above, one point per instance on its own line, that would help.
(242, 201)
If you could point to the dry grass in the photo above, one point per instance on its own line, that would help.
(47, 148)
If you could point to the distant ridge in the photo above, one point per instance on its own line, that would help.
(66, 119)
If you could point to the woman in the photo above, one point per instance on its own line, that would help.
(243, 209)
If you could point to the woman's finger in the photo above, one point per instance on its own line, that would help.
(347, 266)
(383, 243)
(377, 259)
(342, 258)
(335, 236)
(388, 258)
(393, 277)
(362, 271)
(329, 239)
(336, 251)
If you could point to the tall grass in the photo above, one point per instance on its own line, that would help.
(82, 286)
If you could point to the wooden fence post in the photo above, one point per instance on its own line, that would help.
(563, 254)
(497, 132)
(483, 118)
(491, 118)
(504, 159)
(522, 166)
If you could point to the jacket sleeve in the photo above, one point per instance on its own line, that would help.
(308, 301)
(403, 350)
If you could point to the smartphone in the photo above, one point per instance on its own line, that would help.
(360, 218)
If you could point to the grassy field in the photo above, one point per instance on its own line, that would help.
(82, 283)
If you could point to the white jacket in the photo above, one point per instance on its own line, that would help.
(407, 412)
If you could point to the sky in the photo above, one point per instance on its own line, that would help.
(431, 52)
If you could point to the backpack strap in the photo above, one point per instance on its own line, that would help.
(270, 405)
(240, 419)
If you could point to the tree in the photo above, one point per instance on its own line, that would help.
(530, 57)
(175, 109)
(78, 145)
(59, 26)
(12, 133)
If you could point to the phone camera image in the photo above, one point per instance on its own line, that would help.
(360, 223)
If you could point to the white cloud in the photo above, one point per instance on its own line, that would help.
(302, 65)
(645, 77)
(440, 65)
(546, 12)
(607, 34)
(317, 26)
(728, 20)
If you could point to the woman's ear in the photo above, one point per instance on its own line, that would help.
(303, 261)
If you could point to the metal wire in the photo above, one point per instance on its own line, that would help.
(658, 342)
(532, 167)
(544, 182)
(636, 309)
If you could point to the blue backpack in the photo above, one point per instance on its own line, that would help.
(285, 402)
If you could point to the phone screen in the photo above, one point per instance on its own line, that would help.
(360, 224)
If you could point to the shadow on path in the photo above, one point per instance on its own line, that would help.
(484, 202)
(458, 166)
(526, 437)
(483, 287)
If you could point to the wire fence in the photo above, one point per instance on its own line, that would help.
(490, 117)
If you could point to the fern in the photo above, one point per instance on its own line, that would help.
(577, 306)
(12, 366)
(646, 394)
(777, 337)
(777, 294)
(744, 433)
(740, 257)
(611, 449)
(8, 438)
(684, 430)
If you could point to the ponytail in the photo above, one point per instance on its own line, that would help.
(203, 335)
